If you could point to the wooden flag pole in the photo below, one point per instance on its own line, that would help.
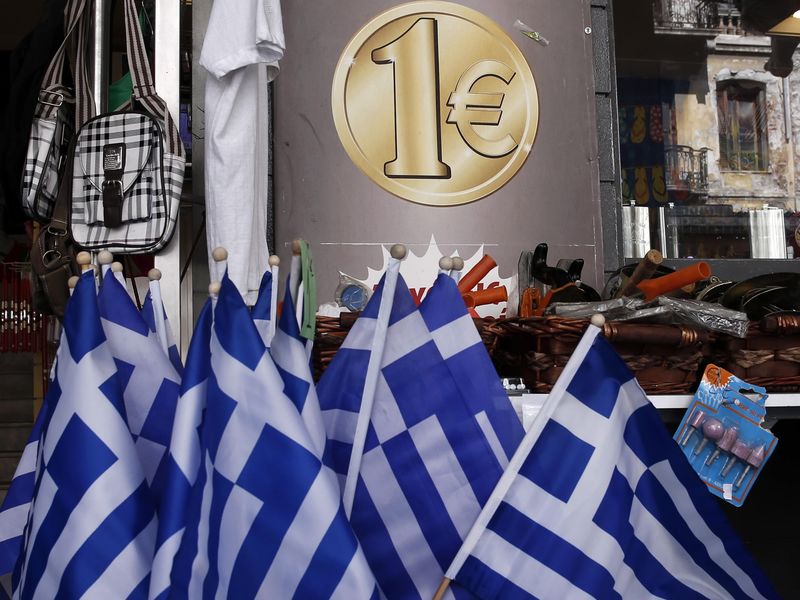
(442, 589)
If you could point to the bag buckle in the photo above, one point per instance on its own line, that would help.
(114, 167)
(48, 262)
(58, 95)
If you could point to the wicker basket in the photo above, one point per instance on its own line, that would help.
(666, 359)
(769, 356)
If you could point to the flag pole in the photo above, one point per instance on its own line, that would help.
(157, 304)
(274, 261)
(397, 253)
(440, 591)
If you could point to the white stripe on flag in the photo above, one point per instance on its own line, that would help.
(446, 472)
(523, 570)
(160, 576)
(401, 523)
(297, 548)
(405, 336)
(360, 335)
(128, 569)
(241, 510)
(27, 462)
(356, 582)
(667, 551)
(716, 550)
(12, 520)
(200, 562)
(104, 495)
(491, 437)
(43, 503)
(387, 420)
(185, 443)
(340, 425)
(456, 336)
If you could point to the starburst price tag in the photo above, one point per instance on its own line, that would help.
(435, 103)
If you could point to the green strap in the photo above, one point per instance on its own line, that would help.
(308, 327)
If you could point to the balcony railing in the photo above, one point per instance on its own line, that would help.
(686, 169)
(696, 17)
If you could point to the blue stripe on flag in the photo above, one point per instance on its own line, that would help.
(288, 319)
(557, 461)
(613, 516)
(102, 546)
(115, 305)
(218, 413)
(324, 572)
(82, 320)
(285, 461)
(124, 373)
(553, 551)
(379, 547)
(346, 379)
(148, 314)
(78, 459)
(197, 370)
(158, 425)
(654, 446)
(184, 559)
(220, 492)
(403, 302)
(234, 326)
(443, 304)
(141, 590)
(261, 309)
(420, 491)
(659, 503)
(294, 388)
(488, 584)
(599, 377)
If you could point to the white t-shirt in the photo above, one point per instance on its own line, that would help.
(241, 50)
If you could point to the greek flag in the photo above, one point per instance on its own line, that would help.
(440, 434)
(17, 504)
(599, 502)
(262, 309)
(150, 384)
(184, 458)
(156, 318)
(92, 524)
(263, 519)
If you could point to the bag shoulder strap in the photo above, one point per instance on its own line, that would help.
(144, 89)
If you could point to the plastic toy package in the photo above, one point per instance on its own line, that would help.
(722, 437)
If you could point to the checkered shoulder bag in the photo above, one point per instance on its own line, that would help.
(128, 167)
(54, 119)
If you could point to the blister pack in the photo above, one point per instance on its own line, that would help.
(722, 436)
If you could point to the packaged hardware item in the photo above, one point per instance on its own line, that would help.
(722, 437)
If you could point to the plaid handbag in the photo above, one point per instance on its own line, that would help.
(54, 123)
(128, 167)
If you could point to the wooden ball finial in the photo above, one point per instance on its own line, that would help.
(598, 320)
(458, 263)
(154, 275)
(105, 257)
(274, 260)
(116, 267)
(445, 263)
(296, 247)
(398, 251)
(73, 281)
(214, 287)
(83, 259)
(219, 254)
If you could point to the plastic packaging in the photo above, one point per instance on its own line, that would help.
(351, 293)
(722, 437)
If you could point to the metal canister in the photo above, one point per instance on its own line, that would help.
(767, 235)
(635, 231)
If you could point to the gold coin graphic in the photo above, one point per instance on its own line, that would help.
(435, 103)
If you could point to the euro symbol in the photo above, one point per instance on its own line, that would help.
(470, 108)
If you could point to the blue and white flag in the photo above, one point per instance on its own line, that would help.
(441, 432)
(262, 309)
(92, 524)
(17, 504)
(599, 502)
(289, 352)
(184, 458)
(156, 318)
(264, 518)
(150, 383)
